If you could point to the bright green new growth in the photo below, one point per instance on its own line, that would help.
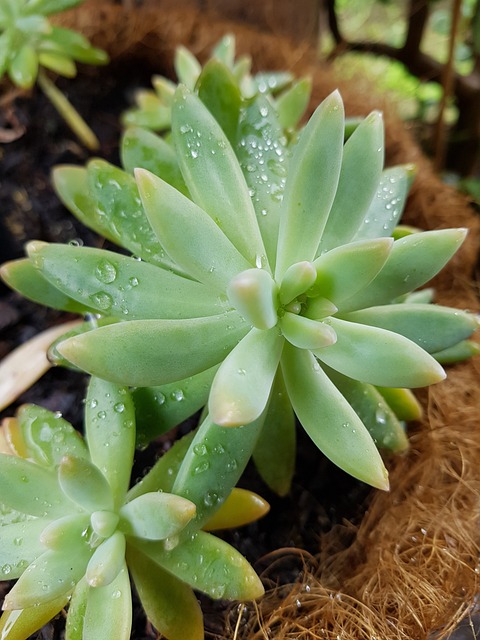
(268, 281)
(29, 44)
(75, 531)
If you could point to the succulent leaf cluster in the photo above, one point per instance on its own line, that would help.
(222, 83)
(75, 531)
(265, 282)
(29, 41)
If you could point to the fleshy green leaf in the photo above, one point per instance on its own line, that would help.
(432, 327)
(224, 50)
(213, 175)
(241, 387)
(213, 464)
(71, 185)
(19, 546)
(373, 411)
(115, 193)
(29, 488)
(240, 508)
(298, 278)
(170, 604)
(379, 357)
(387, 205)
(22, 623)
(48, 437)
(329, 419)
(223, 573)
(121, 286)
(187, 67)
(77, 46)
(274, 453)
(218, 90)
(402, 402)
(108, 613)
(254, 294)
(150, 113)
(314, 171)
(51, 576)
(60, 64)
(65, 532)
(76, 611)
(189, 235)
(22, 276)
(412, 262)
(156, 515)
(47, 7)
(154, 352)
(459, 352)
(347, 269)
(362, 165)
(145, 150)
(158, 409)
(292, 103)
(110, 433)
(85, 484)
(262, 153)
(107, 561)
(23, 68)
(305, 333)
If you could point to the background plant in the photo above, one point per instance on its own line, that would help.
(71, 531)
(29, 43)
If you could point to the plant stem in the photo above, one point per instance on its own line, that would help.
(68, 112)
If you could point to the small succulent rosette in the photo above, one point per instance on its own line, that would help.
(28, 41)
(71, 531)
(267, 281)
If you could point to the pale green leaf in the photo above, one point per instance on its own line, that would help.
(305, 333)
(29, 488)
(262, 153)
(381, 422)
(22, 623)
(241, 387)
(240, 508)
(213, 175)
(76, 611)
(350, 268)
(110, 433)
(19, 546)
(187, 67)
(213, 465)
(120, 286)
(189, 235)
(361, 170)
(224, 50)
(145, 150)
(412, 262)
(23, 67)
(387, 205)
(48, 437)
(312, 182)
(292, 103)
(274, 453)
(156, 515)
(60, 64)
(298, 279)
(379, 357)
(329, 419)
(170, 604)
(158, 409)
(66, 532)
(155, 352)
(432, 327)
(459, 352)
(208, 564)
(107, 561)
(85, 484)
(51, 576)
(108, 613)
(254, 295)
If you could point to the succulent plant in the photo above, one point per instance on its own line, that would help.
(222, 83)
(29, 43)
(265, 279)
(71, 531)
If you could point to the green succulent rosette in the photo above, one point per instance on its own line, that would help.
(72, 531)
(265, 282)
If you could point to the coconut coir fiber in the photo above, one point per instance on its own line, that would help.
(410, 568)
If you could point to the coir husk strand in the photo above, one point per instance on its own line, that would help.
(410, 568)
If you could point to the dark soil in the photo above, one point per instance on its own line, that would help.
(322, 495)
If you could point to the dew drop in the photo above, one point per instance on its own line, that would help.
(201, 468)
(133, 281)
(200, 449)
(102, 300)
(177, 395)
(102, 415)
(119, 407)
(6, 569)
(105, 272)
